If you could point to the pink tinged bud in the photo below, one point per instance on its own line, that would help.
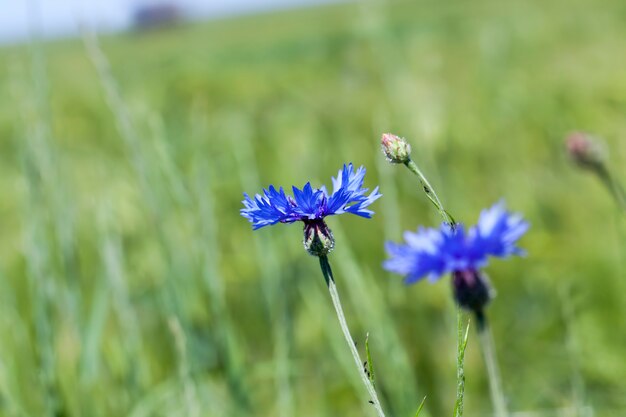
(585, 150)
(396, 149)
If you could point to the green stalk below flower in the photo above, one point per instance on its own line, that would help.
(334, 295)
(495, 386)
(430, 192)
(460, 362)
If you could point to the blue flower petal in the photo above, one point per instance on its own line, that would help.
(267, 209)
(497, 231)
(309, 203)
(348, 195)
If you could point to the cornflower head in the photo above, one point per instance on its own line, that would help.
(311, 205)
(433, 253)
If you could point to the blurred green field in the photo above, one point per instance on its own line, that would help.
(130, 285)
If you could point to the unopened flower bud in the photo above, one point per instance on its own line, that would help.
(472, 290)
(585, 150)
(318, 238)
(396, 149)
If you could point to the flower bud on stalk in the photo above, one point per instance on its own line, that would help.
(586, 151)
(318, 238)
(396, 149)
(589, 153)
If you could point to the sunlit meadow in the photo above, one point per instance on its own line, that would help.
(131, 286)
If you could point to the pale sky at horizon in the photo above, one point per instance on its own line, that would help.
(59, 18)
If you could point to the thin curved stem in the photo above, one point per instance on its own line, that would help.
(495, 386)
(334, 295)
(613, 185)
(430, 192)
(461, 338)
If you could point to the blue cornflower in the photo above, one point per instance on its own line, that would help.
(311, 205)
(433, 253)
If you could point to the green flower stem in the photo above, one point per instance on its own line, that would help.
(460, 363)
(430, 192)
(334, 295)
(613, 185)
(461, 339)
(495, 386)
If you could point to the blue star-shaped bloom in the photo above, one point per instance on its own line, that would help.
(435, 252)
(309, 203)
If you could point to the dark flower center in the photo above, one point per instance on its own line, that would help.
(472, 290)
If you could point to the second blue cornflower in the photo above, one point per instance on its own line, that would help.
(433, 253)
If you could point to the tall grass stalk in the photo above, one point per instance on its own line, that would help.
(489, 354)
(139, 161)
(579, 394)
(179, 195)
(44, 211)
(113, 263)
(157, 205)
(313, 297)
(42, 290)
(271, 277)
(366, 296)
(189, 386)
(334, 295)
(228, 344)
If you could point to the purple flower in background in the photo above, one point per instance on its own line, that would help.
(311, 205)
(433, 253)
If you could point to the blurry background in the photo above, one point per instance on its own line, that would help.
(63, 18)
(130, 285)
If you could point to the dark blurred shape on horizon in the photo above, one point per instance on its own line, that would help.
(156, 15)
(54, 19)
